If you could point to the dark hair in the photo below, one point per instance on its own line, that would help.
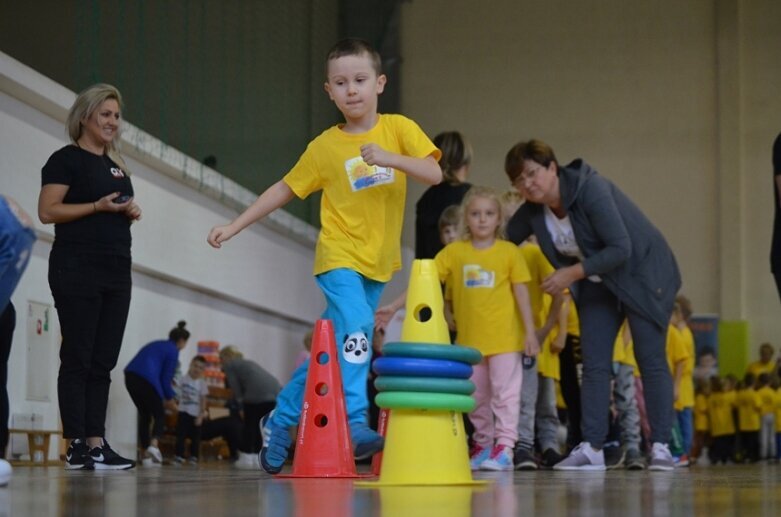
(450, 216)
(354, 47)
(763, 380)
(456, 153)
(179, 333)
(748, 380)
(201, 359)
(534, 150)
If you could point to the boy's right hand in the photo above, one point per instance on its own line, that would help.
(220, 234)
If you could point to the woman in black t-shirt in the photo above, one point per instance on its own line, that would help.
(87, 194)
(456, 157)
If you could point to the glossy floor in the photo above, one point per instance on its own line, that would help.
(218, 489)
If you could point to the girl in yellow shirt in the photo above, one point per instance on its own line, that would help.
(486, 278)
(722, 423)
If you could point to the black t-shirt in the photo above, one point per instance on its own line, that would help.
(89, 178)
(429, 208)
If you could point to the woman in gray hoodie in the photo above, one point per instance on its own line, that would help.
(617, 266)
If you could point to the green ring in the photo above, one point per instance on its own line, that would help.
(459, 353)
(421, 400)
(425, 384)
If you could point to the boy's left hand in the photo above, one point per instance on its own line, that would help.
(531, 345)
(373, 154)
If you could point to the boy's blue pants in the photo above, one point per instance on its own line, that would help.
(351, 301)
(16, 242)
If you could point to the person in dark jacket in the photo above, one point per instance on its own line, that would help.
(617, 265)
(456, 157)
(148, 378)
(775, 248)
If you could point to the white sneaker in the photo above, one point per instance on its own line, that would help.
(154, 454)
(661, 459)
(582, 457)
(247, 461)
(5, 472)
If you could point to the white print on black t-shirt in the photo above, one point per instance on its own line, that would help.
(362, 175)
(117, 172)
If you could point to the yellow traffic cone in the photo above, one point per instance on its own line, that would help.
(425, 447)
(424, 301)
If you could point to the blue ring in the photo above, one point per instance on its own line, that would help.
(420, 367)
(463, 354)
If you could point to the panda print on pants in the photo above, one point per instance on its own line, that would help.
(356, 348)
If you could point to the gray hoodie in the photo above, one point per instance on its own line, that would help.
(617, 240)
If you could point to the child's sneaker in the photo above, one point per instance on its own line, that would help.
(582, 457)
(154, 454)
(550, 457)
(193, 460)
(501, 458)
(682, 461)
(366, 442)
(634, 460)
(105, 458)
(178, 460)
(477, 456)
(78, 457)
(524, 459)
(276, 443)
(5, 472)
(661, 459)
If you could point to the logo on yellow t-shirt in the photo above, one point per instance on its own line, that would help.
(476, 276)
(363, 175)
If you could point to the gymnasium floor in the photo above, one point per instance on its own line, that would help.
(218, 489)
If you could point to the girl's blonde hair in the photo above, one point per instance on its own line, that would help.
(84, 106)
(486, 193)
(230, 352)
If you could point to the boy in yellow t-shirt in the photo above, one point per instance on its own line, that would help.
(767, 430)
(361, 168)
(701, 420)
(749, 422)
(722, 423)
(684, 402)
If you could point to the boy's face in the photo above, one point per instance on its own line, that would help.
(353, 85)
(196, 369)
(448, 234)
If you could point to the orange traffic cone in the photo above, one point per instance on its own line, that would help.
(323, 445)
(382, 428)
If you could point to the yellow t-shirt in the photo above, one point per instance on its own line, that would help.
(539, 270)
(701, 422)
(748, 403)
(720, 414)
(778, 410)
(484, 306)
(362, 208)
(548, 364)
(624, 353)
(757, 368)
(767, 400)
(573, 323)
(686, 390)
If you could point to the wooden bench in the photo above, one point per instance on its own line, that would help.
(38, 441)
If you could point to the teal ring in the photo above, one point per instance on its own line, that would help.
(420, 400)
(425, 384)
(463, 354)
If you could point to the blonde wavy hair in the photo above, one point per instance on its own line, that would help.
(485, 193)
(84, 106)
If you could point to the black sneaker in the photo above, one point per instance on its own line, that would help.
(614, 457)
(550, 457)
(106, 459)
(524, 459)
(78, 456)
(634, 460)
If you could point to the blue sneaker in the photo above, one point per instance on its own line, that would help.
(477, 456)
(366, 442)
(501, 458)
(276, 443)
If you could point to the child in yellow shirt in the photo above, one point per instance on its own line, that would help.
(701, 420)
(722, 422)
(767, 429)
(748, 404)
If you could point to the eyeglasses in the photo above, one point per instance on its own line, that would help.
(527, 174)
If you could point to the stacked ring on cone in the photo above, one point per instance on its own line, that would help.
(426, 376)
